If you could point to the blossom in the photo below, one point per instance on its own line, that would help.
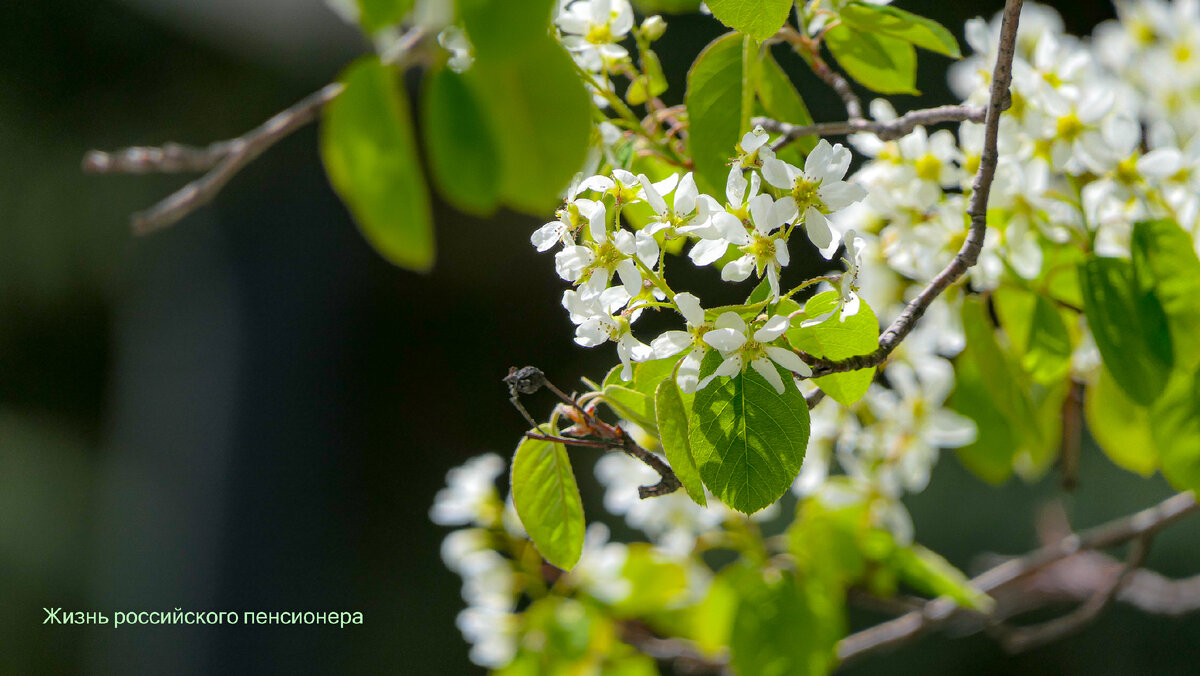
(671, 343)
(818, 190)
(765, 246)
(729, 336)
(592, 30)
(454, 40)
(848, 301)
(470, 493)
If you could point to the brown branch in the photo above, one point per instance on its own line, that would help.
(1026, 638)
(967, 256)
(886, 131)
(530, 379)
(812, 55)
(1004, 576)
(222, 160)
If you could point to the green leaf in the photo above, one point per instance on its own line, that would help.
(926, 571)
(541, 115)
(712, 619)
(990, 392)
(506, 31)
(631, 404)
(835, 339)
(673, 433)
(1176, 430)
(782, 102)
(463, 157)
(760, 19)
(1165, 261)
(885, 64)
(788, 627)
(1121, 428)
(714, 88)
(1129, 326)
(1039, 335)
(547, 500)
(748, 441)
(370, 156)
(376, 14)
(906, 26)
(655, 581)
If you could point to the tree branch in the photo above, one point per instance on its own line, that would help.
(886, 131)
(222, 160)
(968, 255)
(1007, 575)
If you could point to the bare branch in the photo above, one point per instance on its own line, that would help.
(999, 578)
(967, 256)
(530, 379)
(1026, 638)
(223, 159)
(886, 131)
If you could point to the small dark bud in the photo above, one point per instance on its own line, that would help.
(526, 380)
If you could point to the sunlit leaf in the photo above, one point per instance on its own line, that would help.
(547, 500)
(370, 156)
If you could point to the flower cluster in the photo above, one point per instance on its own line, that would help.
(767, 200)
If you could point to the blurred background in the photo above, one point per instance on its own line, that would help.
(252, 411)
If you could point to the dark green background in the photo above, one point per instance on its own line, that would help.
(251, 411)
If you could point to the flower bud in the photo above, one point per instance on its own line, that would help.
(653, 28)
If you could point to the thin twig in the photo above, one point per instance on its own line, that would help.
(886, 131)
(529, 379)
(967, 256)
(1026, 638)
(222, 160)
(935, 613)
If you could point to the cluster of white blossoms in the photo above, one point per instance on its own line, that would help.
(747, 235)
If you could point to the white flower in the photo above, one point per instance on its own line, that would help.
(753, 149)
(671, 343)
(599, 569)
(592, 30)
(729, 337)
(765, 246)
(470, 494)
(818, 190)
(848, 301)
(455, 41)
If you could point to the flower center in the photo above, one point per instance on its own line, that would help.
(929, 167)
(805, 194)
(1069, 127)
(599, 34)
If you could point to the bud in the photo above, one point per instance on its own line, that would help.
(653, 28)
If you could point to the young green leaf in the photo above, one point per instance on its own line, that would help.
(885, 64)
(673, 433)
(462, 152)
(714, 88)
(760, 19)
(1165, 261)
(370, 156)
(1121, 428)
(1130, 327)
(655, 581)
(547, 500)
(837, 339)
(506, 31)
(541, 116)
(990, 390)
(1175, 426)
(787, 627)
(630, 404)
(748, 440)
(928, 572)
(906, 26)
